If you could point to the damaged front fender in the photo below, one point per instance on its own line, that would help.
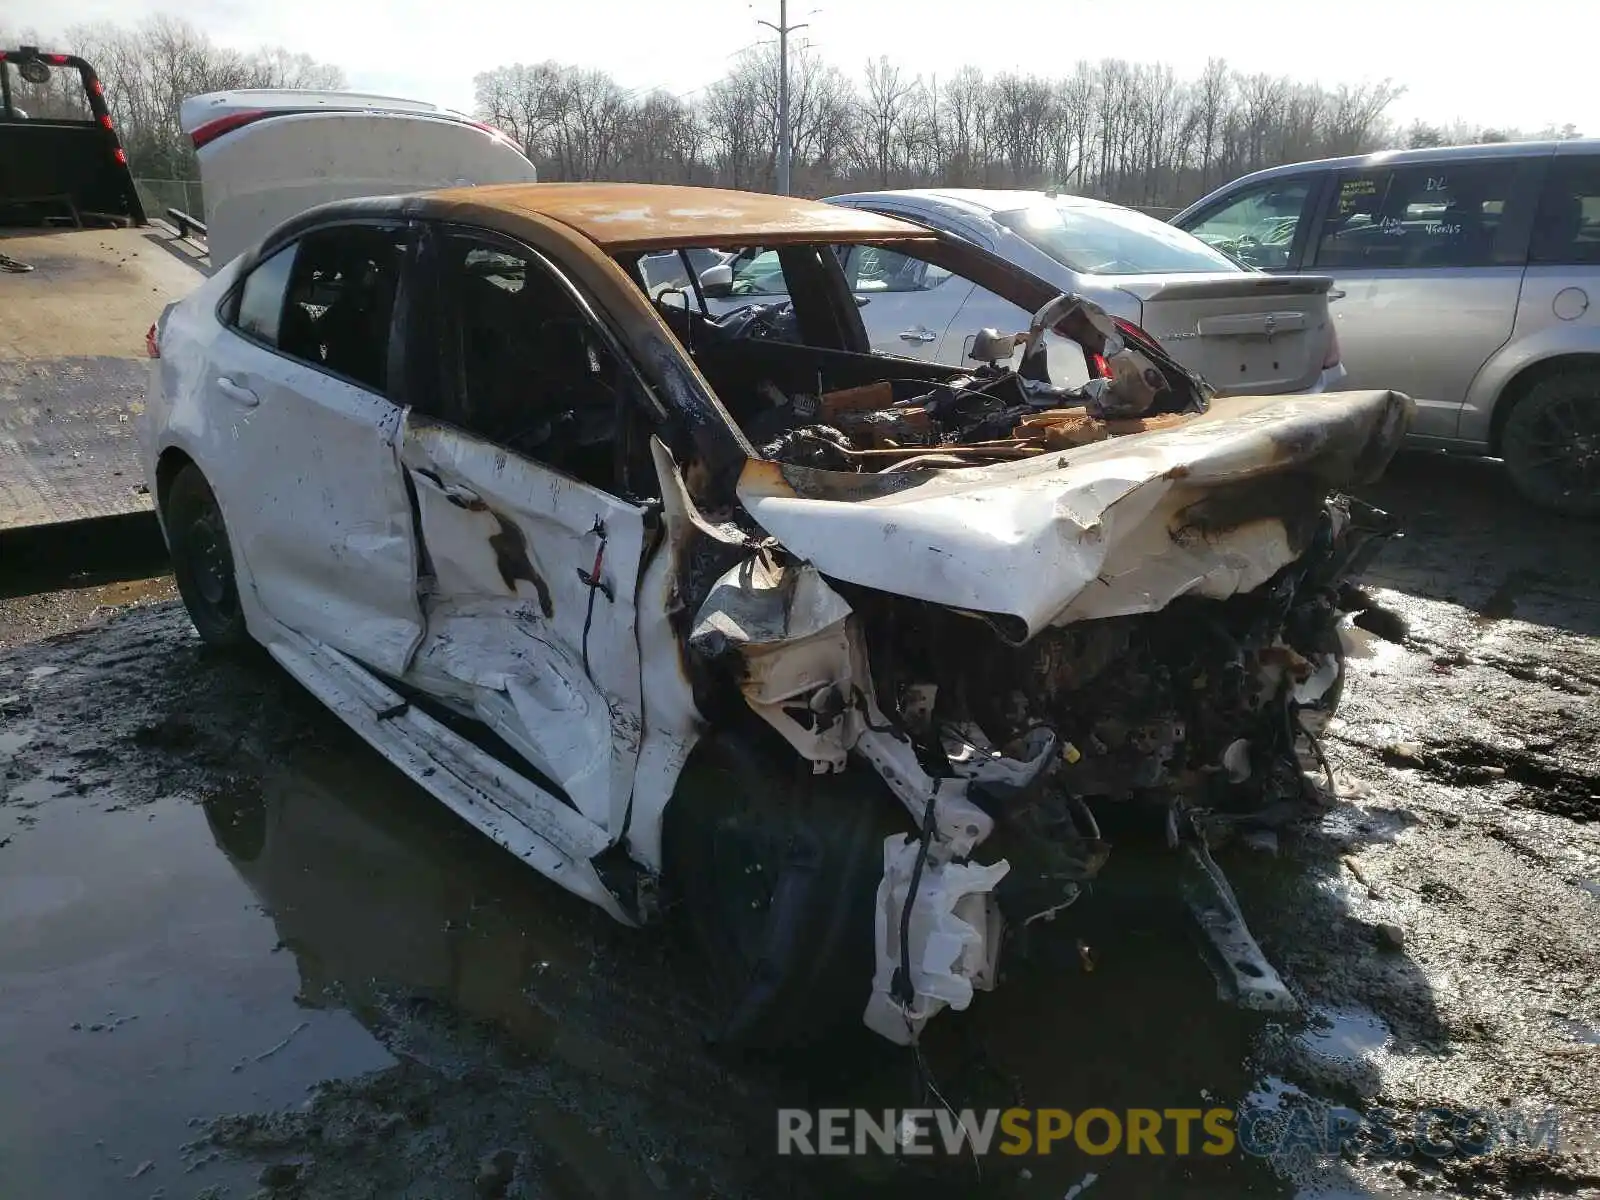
(800, 656)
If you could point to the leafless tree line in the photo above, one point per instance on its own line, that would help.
(1132, 132)
(149, 69)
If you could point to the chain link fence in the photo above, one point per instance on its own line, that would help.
(158, 195)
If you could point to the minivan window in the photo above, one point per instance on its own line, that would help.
(1439, 214)
(1568, 227)
(1104, 240)
(1257, 225)
(758, 273)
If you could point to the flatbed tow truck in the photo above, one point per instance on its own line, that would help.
(84, 274)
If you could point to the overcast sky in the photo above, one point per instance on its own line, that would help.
(1526, 65)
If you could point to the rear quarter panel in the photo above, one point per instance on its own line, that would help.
(1558, 315)
(176, 416)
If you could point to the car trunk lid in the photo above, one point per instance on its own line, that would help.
(268, 155)
(1247, 334)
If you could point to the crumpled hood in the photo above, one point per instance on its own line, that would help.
(1211, 507)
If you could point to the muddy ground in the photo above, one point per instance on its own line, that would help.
(240, 954)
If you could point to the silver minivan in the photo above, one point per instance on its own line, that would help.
(1466, 277)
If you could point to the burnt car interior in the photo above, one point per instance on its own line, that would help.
(798, 375)
(514, 323)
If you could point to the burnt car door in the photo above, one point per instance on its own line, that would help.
(530, 558)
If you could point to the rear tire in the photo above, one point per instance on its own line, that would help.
(202, 561)
(775, 875)
(1551, 443)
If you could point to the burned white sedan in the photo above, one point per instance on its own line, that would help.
(839, 657)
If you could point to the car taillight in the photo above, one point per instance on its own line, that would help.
(490, 129)
(1331, 357)
(1133, 333)
(213, 129)
(152, 345)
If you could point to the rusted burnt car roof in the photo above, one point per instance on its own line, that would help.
(621, 217)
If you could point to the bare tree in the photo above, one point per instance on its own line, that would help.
(1355, 114)
(734, 128)
(524, 102)
(1211, 98)
(149, 69)
(883, 111)
(962, 123)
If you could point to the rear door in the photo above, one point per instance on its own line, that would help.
(907, 305)
(1430, 258)
(304, 378)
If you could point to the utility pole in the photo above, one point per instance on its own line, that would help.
(785, 144)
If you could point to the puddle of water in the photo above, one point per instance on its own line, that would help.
(39, 673)
(1345, 1034)
(1592, 886)
(1272, 1092)
(14, 740)
(142, 990)
(30, 793)
(1580, 1032)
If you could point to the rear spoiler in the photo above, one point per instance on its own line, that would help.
(63, 171)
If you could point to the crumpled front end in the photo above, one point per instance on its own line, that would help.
(1144, 632)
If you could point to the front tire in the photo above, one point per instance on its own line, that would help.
(202, 561)
(1551, 443)
(775, 873)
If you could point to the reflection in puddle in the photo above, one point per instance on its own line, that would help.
(137, 972)
(378, 888)
(1580, 1032)
(1345, 1034)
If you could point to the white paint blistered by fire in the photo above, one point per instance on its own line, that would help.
(672, 722)
(791, 629)
(1071, 536)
